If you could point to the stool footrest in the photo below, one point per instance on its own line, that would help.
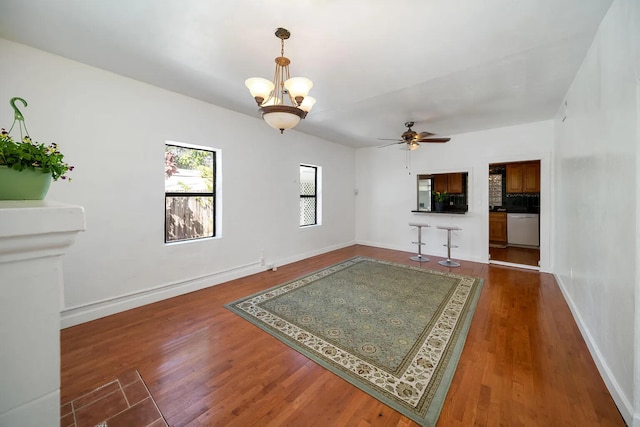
(420, 244)
(452, 246)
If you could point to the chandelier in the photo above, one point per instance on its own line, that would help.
(271, 96)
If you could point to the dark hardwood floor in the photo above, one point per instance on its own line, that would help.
(516, 255)
(524, 362)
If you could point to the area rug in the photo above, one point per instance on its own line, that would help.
(392, 330)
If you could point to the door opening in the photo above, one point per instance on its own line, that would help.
(514, 214)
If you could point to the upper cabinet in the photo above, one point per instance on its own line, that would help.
(514, 178)
(523, 177)
(531, 177)
(441, 183)
(448, 182)
(455, 183)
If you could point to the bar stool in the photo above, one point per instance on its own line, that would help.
(419, 257)
(448, 262)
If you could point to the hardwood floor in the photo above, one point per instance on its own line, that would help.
(516, 255)
(524, 362)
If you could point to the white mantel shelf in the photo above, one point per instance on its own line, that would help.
(33, 237)
(43, 226)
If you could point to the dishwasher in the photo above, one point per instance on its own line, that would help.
(523, 229)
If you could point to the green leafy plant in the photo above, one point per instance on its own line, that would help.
(28, 154)
(32, 155)
(440, 196)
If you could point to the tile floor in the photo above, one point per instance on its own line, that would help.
(123, 402)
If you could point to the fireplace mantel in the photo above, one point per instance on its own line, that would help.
(34, 235)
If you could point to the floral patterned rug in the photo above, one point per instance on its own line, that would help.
(395, 331)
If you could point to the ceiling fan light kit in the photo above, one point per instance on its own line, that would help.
(271, 96)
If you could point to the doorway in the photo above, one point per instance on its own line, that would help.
(514, 214)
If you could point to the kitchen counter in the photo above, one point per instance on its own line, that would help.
(452, 211)
(516, 210)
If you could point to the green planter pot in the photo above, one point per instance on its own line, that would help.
(23, 185)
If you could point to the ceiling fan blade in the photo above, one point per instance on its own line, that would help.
(389, 139)
(423, 135)
(440, 140)
(393, 143)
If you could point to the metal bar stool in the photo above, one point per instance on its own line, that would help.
(449, 262)
(419, 257)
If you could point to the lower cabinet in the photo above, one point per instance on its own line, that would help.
(498, 228)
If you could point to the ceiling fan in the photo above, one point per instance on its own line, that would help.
(413, 138)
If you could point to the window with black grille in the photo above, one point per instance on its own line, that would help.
(189, 192)
(308, 195)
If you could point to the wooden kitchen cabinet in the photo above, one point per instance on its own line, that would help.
(455, 183)
(441, 183)
(531, 177)
(449, 182)
(514, 178)
(498, 227)
(523, 177)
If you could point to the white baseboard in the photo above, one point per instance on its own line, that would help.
(381, 245)
(84, 313)
(72, 316)
(404, 249)
(300, 257)
(511, 264)
(622, 401)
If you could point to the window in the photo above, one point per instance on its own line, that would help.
(189, 192)
(308, 195)
(424, 192)
(495, 189)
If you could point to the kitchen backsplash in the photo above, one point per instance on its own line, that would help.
(498, 196)
(529, 202)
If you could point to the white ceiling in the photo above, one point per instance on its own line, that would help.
(452, 66)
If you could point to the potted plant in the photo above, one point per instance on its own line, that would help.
(27, 167)
(440, 198)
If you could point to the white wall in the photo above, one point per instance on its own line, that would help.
(113, 129)
(387, 189)
(596, 204)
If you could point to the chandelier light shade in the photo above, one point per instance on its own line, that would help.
(285, 101)
(260, 88)
(307, 103)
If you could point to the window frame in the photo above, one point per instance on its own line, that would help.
(213, 193)
(316, 195)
